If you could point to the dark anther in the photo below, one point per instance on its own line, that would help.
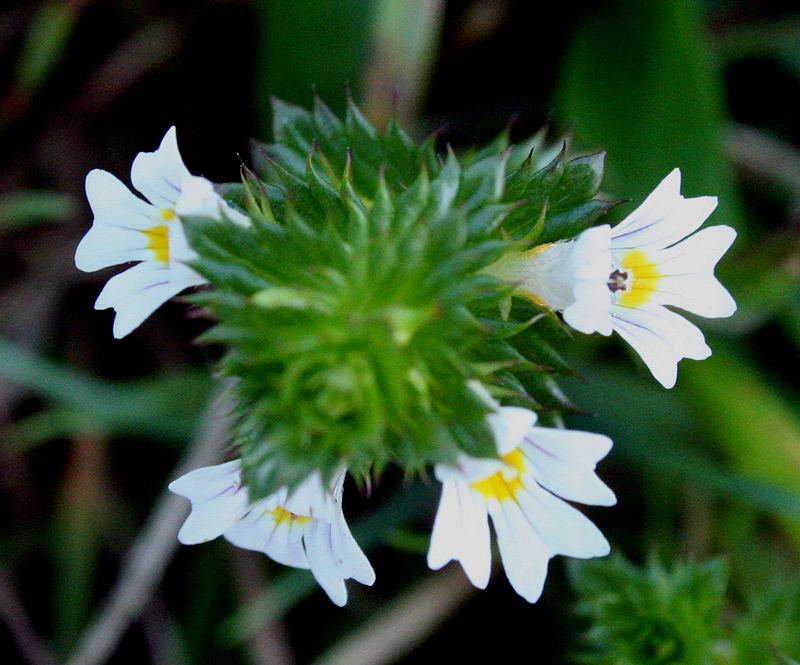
(617, 281)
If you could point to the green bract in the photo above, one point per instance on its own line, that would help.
(354, 310)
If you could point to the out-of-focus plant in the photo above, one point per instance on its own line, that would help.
(681, 615)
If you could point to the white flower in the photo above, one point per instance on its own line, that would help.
(304, 529)
(126, 228)
(521, 494)
(621, 278)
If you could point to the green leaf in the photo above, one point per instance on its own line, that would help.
(165, 407)
(26, 208)
(667, 110)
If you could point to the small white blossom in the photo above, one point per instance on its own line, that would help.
(521, 493)
(126, 228)
(304, 529)
(621, 279)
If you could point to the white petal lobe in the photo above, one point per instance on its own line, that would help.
(158, 175)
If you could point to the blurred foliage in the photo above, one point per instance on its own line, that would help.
(20, 209)
(315, 44)
(165, 406)
(90, 427)
(651, 615)
(666, 111)
(45, 43)
(658, 615)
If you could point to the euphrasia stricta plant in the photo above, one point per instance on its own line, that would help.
(682, 614)
(382, 302)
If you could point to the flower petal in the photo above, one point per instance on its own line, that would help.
(206, 482)
(561, 528)
(524, 556)
(179, 248)
(661, 338)
(218, 501)
(258, 531)
(119, 216)
(509, 425)
(696, 254)
(461, 532)
(699, 294)
(106, 246)
(312, 500)
(664, 218)
(590, 264)
(198, 197)
(136, 293)
(469, 469)
(353, 563)
(319, 550)
(689, 281)
(159, 174)
(563, 461)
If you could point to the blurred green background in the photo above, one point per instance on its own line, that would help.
(91, 429)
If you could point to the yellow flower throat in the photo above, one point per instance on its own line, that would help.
(158, 237)
(498, 486)
(635, 280)
(281, 515)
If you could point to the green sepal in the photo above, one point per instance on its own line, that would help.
(568, 223)
(529, 148)
(233, 193)
(262, 201)
(562, 193)
(231, 261)
(487, 220)
(484, 182)
(540, 351)
(580, 181)
(510, 389)
(544, 388)
(392, 153)
(501, 355)
(504, 329)
(292, 127)
(474, 437)
(299, 194)
(401, 152)
(499, 144)
(330, 134)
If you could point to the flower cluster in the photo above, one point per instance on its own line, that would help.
(360, 287)
(306, 528)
